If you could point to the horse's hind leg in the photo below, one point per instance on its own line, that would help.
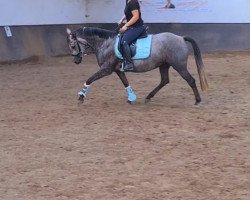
(164, 80)
(190, 80)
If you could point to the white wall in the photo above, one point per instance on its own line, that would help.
(197, 11)
(40, 12)
(186, 11)
(104, 11)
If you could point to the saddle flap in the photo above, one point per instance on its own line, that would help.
(141, 48)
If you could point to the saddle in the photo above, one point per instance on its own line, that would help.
(132, 46)
(139, 49)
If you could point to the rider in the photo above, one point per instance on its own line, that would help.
(169, 5)
(131, 30)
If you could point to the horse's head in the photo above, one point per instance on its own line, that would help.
(78, 46)
(86, 41)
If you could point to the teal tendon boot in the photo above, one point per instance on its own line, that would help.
(131, 94)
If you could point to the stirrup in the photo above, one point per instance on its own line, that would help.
(122, 67)
(130, 68)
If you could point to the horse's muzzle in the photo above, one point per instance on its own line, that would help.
(77, 59)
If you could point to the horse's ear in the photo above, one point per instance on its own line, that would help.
(68, 31)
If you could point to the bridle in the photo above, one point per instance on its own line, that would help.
(86, 45)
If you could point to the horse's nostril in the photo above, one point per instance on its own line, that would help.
(77, 60)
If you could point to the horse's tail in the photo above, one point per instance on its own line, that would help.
(199, 63)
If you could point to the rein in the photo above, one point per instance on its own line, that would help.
(86, 46)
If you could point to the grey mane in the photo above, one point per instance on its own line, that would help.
(91, 31)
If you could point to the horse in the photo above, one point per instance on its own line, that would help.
(167, 50)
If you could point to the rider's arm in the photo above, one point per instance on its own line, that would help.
(135, 17)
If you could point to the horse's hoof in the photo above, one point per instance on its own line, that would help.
(197, 103)
(147, 100)
(81, 98)
(130, 102)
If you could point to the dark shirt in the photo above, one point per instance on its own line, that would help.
(130, 6)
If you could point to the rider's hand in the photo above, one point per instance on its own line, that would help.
(124, 28)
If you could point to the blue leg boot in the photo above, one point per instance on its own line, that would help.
(131, 94)
(83, 92)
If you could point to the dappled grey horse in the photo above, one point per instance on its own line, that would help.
(167, 50)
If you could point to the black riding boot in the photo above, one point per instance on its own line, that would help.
(129, 65)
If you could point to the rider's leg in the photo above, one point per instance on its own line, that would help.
(128, 37)
(129, 65)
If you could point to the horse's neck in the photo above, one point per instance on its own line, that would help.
(103, 49)
(96, 42)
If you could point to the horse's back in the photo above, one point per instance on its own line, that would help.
(169, 38)
(167, 34)
(169, 45)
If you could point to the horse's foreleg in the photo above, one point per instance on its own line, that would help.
(164, 80)
(130, 93)
(101, 73)
(123, 78)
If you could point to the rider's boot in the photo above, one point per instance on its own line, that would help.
(129, 65)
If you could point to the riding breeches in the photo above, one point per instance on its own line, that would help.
(131, 34)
